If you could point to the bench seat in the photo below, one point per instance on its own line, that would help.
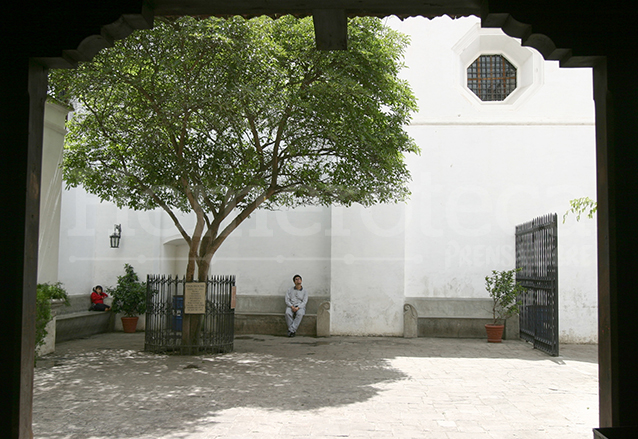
(266, 315)
(453, 318)
(76, 321)
(272, 324)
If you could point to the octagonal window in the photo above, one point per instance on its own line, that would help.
(491, 77)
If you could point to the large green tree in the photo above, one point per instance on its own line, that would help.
(220, 117)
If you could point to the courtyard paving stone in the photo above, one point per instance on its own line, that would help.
(106, 386)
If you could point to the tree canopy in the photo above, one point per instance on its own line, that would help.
(223, 116)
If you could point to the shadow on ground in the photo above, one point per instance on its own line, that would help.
(97, 388)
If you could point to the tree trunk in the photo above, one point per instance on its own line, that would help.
(193, 323)
(190, 268)
(202, 270)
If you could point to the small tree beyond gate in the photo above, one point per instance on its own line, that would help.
(212, 324)
(537, 257)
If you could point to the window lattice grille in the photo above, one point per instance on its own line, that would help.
(491, 77)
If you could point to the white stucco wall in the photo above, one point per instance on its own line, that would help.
(367, 271)
(484, 168)
(577, 281)
(270, 247)
(86, 258)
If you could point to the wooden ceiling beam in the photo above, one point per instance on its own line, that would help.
(381, 8)
(331, 29)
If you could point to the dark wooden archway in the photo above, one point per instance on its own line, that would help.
(38, 35)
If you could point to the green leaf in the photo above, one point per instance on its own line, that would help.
(505, 293)
(580, 206)
(45, 293)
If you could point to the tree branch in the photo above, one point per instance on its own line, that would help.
(221, 237)
(256, 141)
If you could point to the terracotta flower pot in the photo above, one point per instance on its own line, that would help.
(494, 333)
(129, 324)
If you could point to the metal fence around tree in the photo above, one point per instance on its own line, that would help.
(170, 330)
(537, 257)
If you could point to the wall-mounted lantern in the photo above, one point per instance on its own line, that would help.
(115, 237)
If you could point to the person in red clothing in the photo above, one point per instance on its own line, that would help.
(97, 300)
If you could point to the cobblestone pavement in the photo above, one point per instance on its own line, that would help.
(105, 386)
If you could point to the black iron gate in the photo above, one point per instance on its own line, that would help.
(165, 319)
(537, 257)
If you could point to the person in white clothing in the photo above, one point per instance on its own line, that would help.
(296, 300)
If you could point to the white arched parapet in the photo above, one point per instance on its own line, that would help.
(483, 41)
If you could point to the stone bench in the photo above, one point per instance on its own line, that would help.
(76, 321)
(454, 318)
(265, 315)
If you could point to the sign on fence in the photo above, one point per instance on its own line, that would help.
(195, 298)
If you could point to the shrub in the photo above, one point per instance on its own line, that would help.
(46, 292)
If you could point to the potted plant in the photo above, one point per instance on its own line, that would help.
(504, 292)
(129, 298)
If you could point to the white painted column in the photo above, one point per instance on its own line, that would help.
(51, 192)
